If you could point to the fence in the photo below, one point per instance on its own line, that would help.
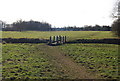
(57, 40)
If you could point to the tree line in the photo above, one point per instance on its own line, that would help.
(85, 28)
(28, 26)
(43, 26)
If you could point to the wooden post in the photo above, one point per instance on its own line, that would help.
(57, 39)
(60, 39)
(65, 39)
(50, 40)
(53, 39)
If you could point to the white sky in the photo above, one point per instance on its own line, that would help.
(59, 13)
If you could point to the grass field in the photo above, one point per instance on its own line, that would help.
(21, 61)
(30, 61)
(0, 61)
(71, 35)
(98, 58)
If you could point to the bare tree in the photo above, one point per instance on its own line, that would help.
(116, 27)
(116, 9)
(116, 14)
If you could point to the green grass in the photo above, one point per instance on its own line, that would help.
(101, 59)
(25, 61)
(0, 61)
(71, 35)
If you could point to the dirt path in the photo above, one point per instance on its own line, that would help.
(65, 63)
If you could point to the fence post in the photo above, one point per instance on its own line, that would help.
(65, 39)
(60, 38)
(50, 40)
(53, 39)
(57, 40)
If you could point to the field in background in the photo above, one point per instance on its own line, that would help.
(71, 35)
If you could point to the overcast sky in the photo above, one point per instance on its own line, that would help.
(58, 12)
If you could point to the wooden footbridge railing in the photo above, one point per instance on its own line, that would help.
(57, 40)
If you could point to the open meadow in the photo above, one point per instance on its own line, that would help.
(67, 61)
(71, 35)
